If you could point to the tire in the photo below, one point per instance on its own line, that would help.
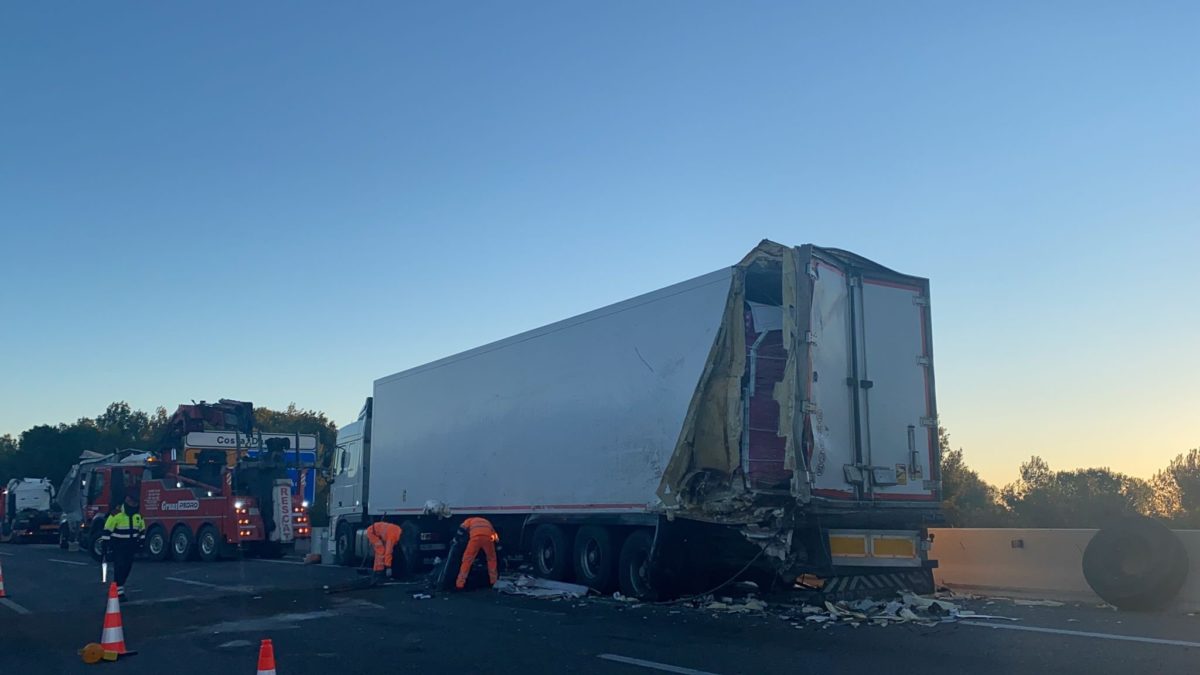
(6, 533)
(208, 544)
(64, 537)
(95, 543)
(550, 552)
(633, 566)
(157, 546)
(411, 563)
(344, 545)
(183, 544)
(595, 559)
(1135, 563)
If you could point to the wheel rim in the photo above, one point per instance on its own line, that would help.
(180, 545)
(590, 560)
(208, 544)
(546, 556)
(639, 575)
(155, 544)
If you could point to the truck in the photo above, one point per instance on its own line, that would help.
(773, 420)
(201, 493)
(28, 511)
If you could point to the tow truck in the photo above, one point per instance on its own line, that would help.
(198, 501)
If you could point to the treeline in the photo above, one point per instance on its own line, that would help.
(1077, 498)
(46, 451)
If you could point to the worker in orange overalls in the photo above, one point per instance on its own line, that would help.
(384, 537)
(480, 535)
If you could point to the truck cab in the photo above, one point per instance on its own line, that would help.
(347, 490)
(28, 511)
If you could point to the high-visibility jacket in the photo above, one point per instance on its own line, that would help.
(479, 527)
(123, 526)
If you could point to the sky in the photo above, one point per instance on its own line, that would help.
(281, 202)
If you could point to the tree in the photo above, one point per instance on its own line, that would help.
(967, 500)
(1082, 498)
(1177, 490)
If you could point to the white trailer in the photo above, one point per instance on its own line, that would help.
(776, 415)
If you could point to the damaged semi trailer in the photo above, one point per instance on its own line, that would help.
(774, 418)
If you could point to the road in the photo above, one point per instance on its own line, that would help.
(209, 617)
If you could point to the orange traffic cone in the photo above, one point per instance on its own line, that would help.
(266, 658)
(113, 637)
(2, 595)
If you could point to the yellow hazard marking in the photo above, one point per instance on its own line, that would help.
(842, 545)
(894, 547)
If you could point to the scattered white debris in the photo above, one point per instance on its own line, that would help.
(540, 588)
(910, 608)
(623, 598)
(726, 605)
(421, 596)
(1037, 603)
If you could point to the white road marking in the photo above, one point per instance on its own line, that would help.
(5, 553)
(1081, 633)
(13, 606)
(236, 589)
(665, 667)
(279, 562)
(68, 562)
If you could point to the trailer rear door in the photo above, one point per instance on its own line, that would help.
(871, 405)
(899, 431)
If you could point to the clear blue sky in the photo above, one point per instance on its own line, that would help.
(283, 201)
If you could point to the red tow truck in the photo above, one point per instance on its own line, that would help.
(201, 503)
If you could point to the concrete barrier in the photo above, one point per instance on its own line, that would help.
(1029, 563)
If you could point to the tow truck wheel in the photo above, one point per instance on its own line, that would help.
(208, 544)
(157, 547)
(96, 543)
(183, 544)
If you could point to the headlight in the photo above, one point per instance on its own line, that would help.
(239, 504)
(304, 504)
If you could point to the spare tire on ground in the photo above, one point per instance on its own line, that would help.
(1135, 563)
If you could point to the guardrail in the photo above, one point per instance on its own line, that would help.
(1033, 563)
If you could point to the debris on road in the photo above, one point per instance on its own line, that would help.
(540, 588)
(421, 596)
(909, 609)
(1037, 603)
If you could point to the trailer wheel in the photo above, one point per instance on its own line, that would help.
(633, 567)
(183, 544)
(410, 548)
(208, 544)
(594, 561)
(156, 543)
(550, 552)
(1136, 563)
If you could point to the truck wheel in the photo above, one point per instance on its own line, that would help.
(633, 567)
(156, 543)
(344, 545)
(6, 533)
(1136, 563)
(208, 544)
(551, 554)
(183, 544)
(95, 543)
(410, 548)
(594, 558)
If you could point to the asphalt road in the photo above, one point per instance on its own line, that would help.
(209, 618)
